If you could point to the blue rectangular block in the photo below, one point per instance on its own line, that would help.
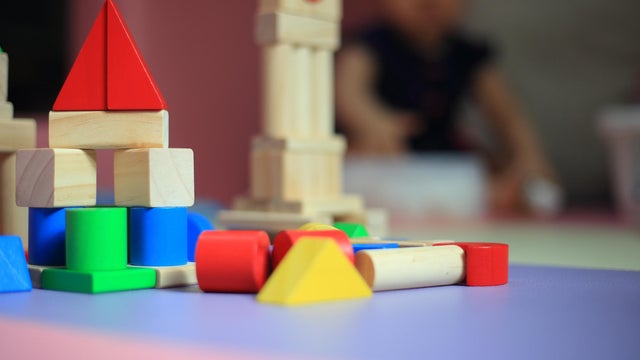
(158, 236)
(47, 236)
(358, 247)
(14, 274)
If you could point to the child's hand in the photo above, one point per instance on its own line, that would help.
(386, 135)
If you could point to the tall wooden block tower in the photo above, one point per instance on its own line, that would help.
(108, 101)
(296, 163)
(14, 134)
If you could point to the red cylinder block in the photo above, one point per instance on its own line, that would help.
(232, 261)
(285, 240)
(486, 264)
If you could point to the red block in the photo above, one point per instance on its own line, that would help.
(130, 84)
(286, 239)
(486, 264)
(232, 261)
(86, 85)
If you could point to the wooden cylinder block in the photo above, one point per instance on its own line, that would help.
(411, 267)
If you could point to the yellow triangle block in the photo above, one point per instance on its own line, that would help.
(314, 270)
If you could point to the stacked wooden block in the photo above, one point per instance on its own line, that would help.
(296, 163)
(109, 101)
(14, 134)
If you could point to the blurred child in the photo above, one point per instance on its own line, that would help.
(401, 84)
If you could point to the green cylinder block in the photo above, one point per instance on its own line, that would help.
(96, 239)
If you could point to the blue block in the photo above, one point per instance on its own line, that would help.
(46, 236)
(196, 224)
(14, 274)
(358, 247)
(158, 236)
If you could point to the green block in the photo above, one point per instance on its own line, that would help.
(96, 239)
(93, 282)
(353, 230)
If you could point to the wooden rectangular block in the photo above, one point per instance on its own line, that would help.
(295, 175)
(330, 10)
(17, 134)
(333, 144)
(109, 129)
(4, 76)
(55, 177)
(270, 222)
(154, 177)
(336, 206)
(173, 276)
(14, 220)
(278, 28)
(6, 110)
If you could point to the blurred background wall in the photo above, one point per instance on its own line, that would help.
(566, 61)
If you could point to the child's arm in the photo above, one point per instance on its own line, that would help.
(373, 127)
(528, 162)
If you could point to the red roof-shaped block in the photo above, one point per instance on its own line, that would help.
(86, 84)
(130, 85)
(109, 73)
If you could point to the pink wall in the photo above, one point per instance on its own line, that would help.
(204, 59)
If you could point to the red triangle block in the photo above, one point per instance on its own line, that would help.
(130, 86)
(86, 85)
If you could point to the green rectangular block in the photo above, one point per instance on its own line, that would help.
(93, 282)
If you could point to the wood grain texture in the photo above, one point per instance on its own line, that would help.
(278, 89)
(322, 110)
(154, 177)
(55, 177)
(17, 134)
(330, 10)
(14, 220)
(109, 129)
(283, 28)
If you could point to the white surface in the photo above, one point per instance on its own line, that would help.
(437, 185)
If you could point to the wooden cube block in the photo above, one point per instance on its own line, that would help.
(295, 175)
(154, 177)
(330, 10)
(17, 134)
(276, 28)
(6, 110)
(109, 129)
(55, 177)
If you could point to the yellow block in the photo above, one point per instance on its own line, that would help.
(313, 271)
(312, 226)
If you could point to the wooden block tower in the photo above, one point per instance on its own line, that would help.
(296, 163)
(14, 134)
(108, 101)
